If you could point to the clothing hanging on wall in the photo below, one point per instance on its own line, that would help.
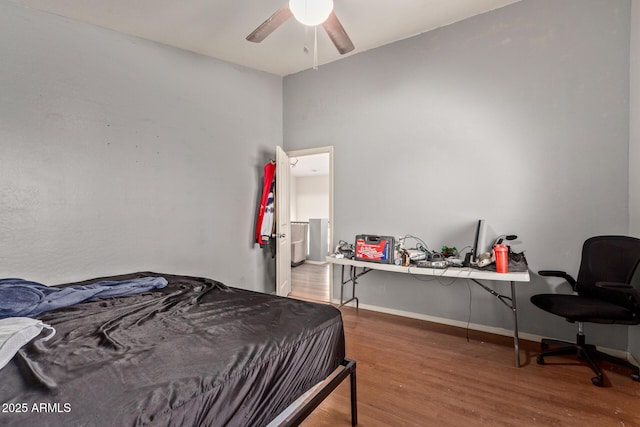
(269, 214)
(268, 188)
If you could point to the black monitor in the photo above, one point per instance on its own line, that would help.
(478, 241)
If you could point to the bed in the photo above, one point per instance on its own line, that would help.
(195, 352)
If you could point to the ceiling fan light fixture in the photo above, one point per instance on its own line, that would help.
(311, 12)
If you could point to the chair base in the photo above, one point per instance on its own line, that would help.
(586, 352)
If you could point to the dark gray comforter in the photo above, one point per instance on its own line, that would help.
(195, 353)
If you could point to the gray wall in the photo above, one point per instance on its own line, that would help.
(634, 149)
(519, 116)
(121, 155)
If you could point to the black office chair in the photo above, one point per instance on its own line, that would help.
(608, 288)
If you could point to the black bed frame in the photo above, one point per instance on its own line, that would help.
(348, 369)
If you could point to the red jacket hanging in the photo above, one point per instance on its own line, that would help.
(267, 183)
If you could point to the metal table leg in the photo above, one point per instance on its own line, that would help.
(353, 278)
(514, 309)
(511, 303)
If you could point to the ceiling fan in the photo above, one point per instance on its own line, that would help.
(308, 12)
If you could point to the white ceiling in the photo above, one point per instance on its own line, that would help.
(218, 28)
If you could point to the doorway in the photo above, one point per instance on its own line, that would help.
(311, 213)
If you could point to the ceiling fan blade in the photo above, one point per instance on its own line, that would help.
(337, 34)
(268, 26)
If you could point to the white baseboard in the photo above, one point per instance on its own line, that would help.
(476, 327)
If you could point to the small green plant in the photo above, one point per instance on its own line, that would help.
(449, 251)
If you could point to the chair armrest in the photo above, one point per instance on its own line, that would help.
(614, 285)
(561, 274)
(622, 294)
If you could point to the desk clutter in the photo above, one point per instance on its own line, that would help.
(410, 250)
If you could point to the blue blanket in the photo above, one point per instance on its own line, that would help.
(22, 298)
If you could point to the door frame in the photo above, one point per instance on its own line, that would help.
(282, 219)
(332, 226)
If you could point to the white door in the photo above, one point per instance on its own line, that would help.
(283, 225)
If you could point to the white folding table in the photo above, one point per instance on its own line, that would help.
(472, 274)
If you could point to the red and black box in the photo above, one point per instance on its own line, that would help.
(374, 248)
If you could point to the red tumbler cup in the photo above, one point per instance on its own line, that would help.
(502, 258)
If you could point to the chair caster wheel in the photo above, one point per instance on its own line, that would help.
(540, 360)
(597, 381)
(635, 377)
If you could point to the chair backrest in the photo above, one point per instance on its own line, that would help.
(634, 297)
(608, 259)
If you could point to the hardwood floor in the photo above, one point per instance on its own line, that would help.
(415, 373)
(310, 282)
